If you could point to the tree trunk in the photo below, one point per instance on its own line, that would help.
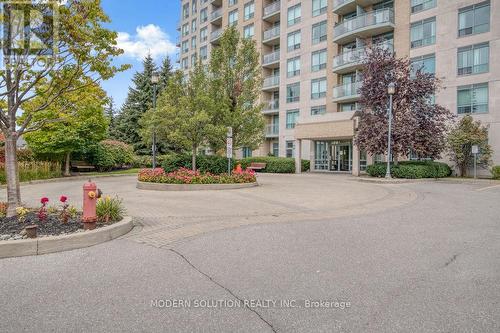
(67, 172)
(12, 174)
(193, 162)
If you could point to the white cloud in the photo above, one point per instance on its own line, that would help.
(148, 39)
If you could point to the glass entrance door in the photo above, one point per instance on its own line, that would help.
(342, 157)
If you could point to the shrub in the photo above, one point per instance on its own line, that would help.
(204, 163)
(109, 209)
(3, 209)
(111, 154)
(34, 170)
(275, 164)
(188, 176)
(495, 172)
(411, 169)
(146, 161)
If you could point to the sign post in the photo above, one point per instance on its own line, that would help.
(229, 148)
(475, 151)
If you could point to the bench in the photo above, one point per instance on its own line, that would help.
(257, 166)
(82, 166)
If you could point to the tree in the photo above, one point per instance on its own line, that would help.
(236, 85)
(183, 115)
(81, 124)
(109, 111)
(418, 124)
(82, 48)
(465, 134)
(165, 73)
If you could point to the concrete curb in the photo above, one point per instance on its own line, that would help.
(192, 187)
(448, 180)
(377, 180)
(52, 244)
(68, 179)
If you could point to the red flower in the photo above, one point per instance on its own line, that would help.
(63, 198)
(44, 200)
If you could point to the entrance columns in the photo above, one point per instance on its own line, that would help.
(298, 156)
(355, 160)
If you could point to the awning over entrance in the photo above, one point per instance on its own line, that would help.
(334, 125)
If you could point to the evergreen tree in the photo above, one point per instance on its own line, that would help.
(109, 112)
(165, 73)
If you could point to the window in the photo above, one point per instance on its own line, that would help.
(248, 31)
(291, 118)
(232, 2)
(193, 42)
(383, 5)
(345, 107)
(318, 61)
(293, 92)
(318, 88)
(185, 46)
(184, 63)
(474, 19)
(317, 110)
(203, 35)
(423, 33)
(294, 14)
(472, 99)
(427, 64)
(319, 32)
(294, 40)
(185, 29)
(290, 149)
(293, 67)
(276, 149)
(185, 11)
(233, 17)
(420, 5)
(204, 15)
(319, 7)
(249, 11)
(194, 6)
(473, 59)
(203, 53)
(247, 152)
(194, 57)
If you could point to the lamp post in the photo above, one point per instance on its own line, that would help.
(154, 80)
(391, 90)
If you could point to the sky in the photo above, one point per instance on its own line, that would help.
(143, 26)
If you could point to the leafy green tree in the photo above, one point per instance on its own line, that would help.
(236, 86)
(183, 116)
(465, 134)
(84, 48)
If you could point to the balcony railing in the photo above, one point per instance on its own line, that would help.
(346, 90)
(365, 20)
(271, 57)
(271, 81)
(338, 3)
(272, 8)
(271, 106)
(272, 33)
(216, 14)
(357, 55)
(272, 130)
(214, 35)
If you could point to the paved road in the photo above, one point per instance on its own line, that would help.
(421, 257)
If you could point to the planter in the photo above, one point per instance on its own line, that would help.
(192, 187)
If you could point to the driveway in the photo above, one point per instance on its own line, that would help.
(301, 253)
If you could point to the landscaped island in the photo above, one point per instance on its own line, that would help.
(187, 176)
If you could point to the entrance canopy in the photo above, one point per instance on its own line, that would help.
(335, 125)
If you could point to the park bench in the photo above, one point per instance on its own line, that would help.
(257, 166)
(82, 166)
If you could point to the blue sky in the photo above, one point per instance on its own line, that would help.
(143, 25)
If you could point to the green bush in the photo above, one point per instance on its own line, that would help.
(111, 154)
(495, 172)
(204, 163)
(274, 164)
(146, 161)
(110, 209)
(411, 169)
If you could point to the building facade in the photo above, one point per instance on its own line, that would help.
(312, 52)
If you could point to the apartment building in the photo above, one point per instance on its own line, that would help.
(311, 61)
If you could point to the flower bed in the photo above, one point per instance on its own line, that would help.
(186, 176)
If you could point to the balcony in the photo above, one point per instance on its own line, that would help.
(271, 107)
(215, 36)
(271, 83)
(271, 36)
(271, 60)
(217, 3)
(178, 41)
(363, 26)
(352, 60)
(272, 131)
(272, 12)
(342, 7)
(216, 16)
(178, 25)
(347, 92)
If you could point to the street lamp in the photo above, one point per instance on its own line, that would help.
(391, 90)
(155, 79)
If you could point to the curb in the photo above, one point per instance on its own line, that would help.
(392, 181)
(52, 244)
(192, 187)
(68, 179)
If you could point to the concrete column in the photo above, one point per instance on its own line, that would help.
(355, 160)
(298, 156)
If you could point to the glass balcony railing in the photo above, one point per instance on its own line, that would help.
(216, 14)
(272, 130)
(271, 33)
(363, 21)
(347, 90)
(271, 81)
(273, 8)
(357, 55)
(271, 57)
(271, 106)
(214, 35)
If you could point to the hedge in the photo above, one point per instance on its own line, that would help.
(411, 169)
(275, 164)
(111, 154)
(204, 163)
(495, 172)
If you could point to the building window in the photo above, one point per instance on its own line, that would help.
(248, 31)
(203, 53)
(472, 99)
(294, 14)
(293, 67)
(474, 19)
(203, 35)
(232, 2)
(293, 92)
(204, 15)
(423, 33)
(291, 118)
(318, 88)
(185, 29)
(319, 32)
(194, 58)
(276, 149)
(233, 17)
(319, 7)
(193, 25)
(194, 6)
(193, 42)
(247, 152)
(290, 149)
(294, 40)
(420, 5)
(184, 63)
(346, 107)
(185, 11)
(474, 59)
(185, 46)
(317, 110)
(318, 60)
(249, 11)
(426, 64)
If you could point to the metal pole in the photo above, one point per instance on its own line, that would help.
(389, 152)
(154, 129)
(475, 166)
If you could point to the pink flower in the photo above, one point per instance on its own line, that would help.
(63, 198)
(44, 200)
